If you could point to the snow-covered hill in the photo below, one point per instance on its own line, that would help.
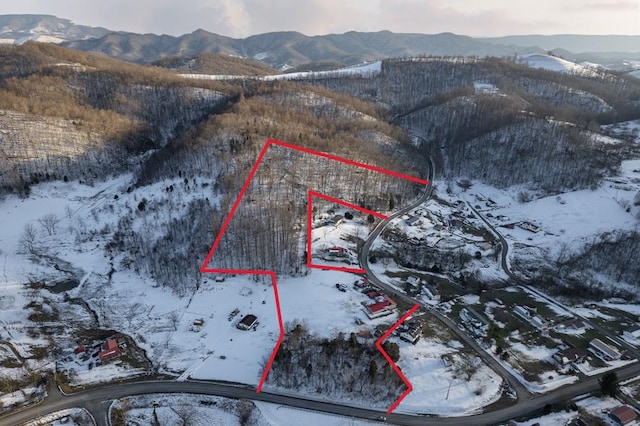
(18, 29)
(554, 63)
(365, 70)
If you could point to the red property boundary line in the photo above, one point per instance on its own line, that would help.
(310, 263)
(390, 361)
(271, 274)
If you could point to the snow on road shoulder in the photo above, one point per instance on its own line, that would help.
(280, 415)
(436, 371)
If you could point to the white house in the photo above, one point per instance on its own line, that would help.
(431, 293)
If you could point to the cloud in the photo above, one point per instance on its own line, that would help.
(613, 6)
(240, 18)
(309, 17)
(433, 16)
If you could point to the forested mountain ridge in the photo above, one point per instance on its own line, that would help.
(95, 118)
(502, 122)
(90, 114)
(487, 119)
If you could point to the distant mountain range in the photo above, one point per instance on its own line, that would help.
(286, 50)
(21, 28)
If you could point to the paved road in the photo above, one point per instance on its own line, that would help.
(527, 403)
(98, 399)
(521, 392)
(507, 269)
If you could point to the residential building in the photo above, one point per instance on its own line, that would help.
(381, 306)
(623, 415)
(527, 226)
(529, 314)
(413, 281)
(478, 324)
(431, 293)
(413, 220)
(603, 350)
(109, 349)
(411, 332)
(337, 252)
(569, 356)
(336, 220)
(634, 332)
(574, 326)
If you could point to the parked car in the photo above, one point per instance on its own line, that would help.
(341, 287)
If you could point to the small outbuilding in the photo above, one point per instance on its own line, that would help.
(248, 322)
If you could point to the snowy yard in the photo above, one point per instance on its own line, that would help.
(463, 387)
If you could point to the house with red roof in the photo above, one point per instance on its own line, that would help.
(382, 305)
(623, 415)
(109, 349)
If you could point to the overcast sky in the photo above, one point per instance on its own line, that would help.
(240, 18)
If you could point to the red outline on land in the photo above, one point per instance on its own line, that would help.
(312, 265)
(390, 361)
(225, 225)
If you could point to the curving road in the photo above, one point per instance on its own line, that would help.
(98, 400)
(521, 392)
(507, 269)
(527, 403)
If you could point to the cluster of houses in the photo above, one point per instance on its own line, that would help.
(572, 355)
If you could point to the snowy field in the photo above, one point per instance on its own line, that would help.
(279, 415)
(557, 64)
(442, 390)
(162, 323)
(566, 221)
(197, 336)
(368, 69)
(220, 351)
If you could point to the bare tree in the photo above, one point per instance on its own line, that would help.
(174, 317)
(185, 411)
(49, 223)
(29, 238)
